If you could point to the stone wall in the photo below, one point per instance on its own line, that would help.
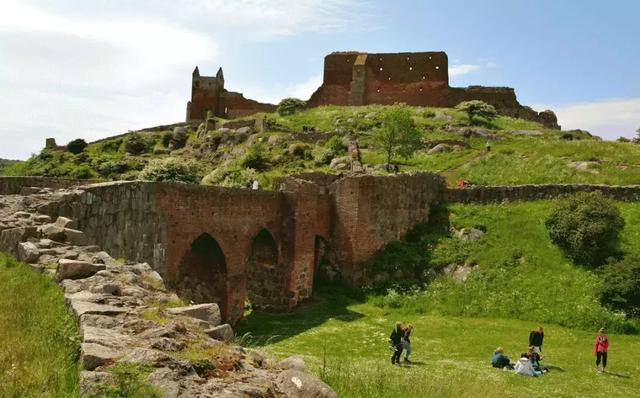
(14, 185)
(500, 193)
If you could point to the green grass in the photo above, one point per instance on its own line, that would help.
(344, 342)
(38, 338)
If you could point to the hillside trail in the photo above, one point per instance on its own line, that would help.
(448, 172)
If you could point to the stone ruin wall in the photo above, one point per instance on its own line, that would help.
(14, 185)
(419, 79)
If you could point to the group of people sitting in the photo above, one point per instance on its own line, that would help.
(529, 362)
(400, 339)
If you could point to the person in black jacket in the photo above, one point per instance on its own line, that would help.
(535, 339)
(396, 343)
(407, 343)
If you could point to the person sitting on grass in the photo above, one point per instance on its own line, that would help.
(600, 348)
(535, 360)
(407, 343)
(524, 366)
(396, 343)
(499, 360)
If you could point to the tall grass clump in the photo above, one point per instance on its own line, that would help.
(39, 342)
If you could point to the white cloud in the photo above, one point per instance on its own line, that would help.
(607, 118)
(462, 69)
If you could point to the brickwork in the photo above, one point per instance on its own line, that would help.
(420, 79)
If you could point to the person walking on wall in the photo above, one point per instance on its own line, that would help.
(396, 343)
(535, 339)
(600, 348)
(406, 342)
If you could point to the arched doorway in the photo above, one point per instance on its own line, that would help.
(265, 277)
(202, 274)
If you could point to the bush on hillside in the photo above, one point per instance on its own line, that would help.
(335, 144)
(289, 106)
(136, 144)
(231, 177)
(166, 138)
(82, 172)
(620, 290)
(256, 158)
(76, 146)
(586, 227)
(172, 169)
(476, 108)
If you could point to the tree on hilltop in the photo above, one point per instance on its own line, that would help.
(76, 146)
(477, 108)
(398, 135)
(289, 106)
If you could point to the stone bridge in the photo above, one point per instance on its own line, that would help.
(229, 245)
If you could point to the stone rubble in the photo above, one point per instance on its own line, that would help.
(125, 314)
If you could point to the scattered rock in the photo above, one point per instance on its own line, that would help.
(469, 234)
(75, 237)
(53, 232)
(223, 332)
(167, 344)
(298, 384)
(440, 148)
(528, 133)
(81, 308)
(293, 362)
(74, 269)
(28, 252)
(95, 355)
(209, 312)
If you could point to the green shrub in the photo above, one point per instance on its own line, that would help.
(136, 144)
(166, 138)
(76, 146)
(620, 290)
(231, 177)
(289, 106)
(398, 135)
(335, 144)
(477, 108)
(586, 227)
(256, 158)
(111, 145)
(172, 169)
(82, 172)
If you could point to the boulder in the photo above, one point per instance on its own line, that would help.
(167, 344)
(103, 258)
(105, 337)
(527, 133)
(75, 269)
(293, 362)
(22, 214)
(94, 355)
(90, 380)
(298, 384)
(340, 163)
(470, 234)
(28, 252)
(9, 238)
(209, 312)
(63, 222)
(42, 218)
(223, 332)
(53, 232)
(154, 358)
(440, 148)
(80, 308)
(75, 237)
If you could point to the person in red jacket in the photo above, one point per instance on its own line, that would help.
(600, 348)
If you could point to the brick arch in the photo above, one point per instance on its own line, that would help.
(201, 275)
(266, 275)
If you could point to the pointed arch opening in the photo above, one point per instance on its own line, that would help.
(202, 274)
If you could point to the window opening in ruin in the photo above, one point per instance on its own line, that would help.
(202, 274)
(378, 90)
(381, 68)
(265, 278)
(226, 110)
(420, 89)
(424, 77)
(389, 78)
(324, 272)
(429, 56)
(411, 68)
(437, 67)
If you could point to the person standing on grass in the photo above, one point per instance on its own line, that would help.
(407, 343)
(600, 348)
(535, 339)
(396, 343)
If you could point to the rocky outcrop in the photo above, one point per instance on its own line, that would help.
(126, 315)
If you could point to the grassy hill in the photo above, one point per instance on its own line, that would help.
(298, 143)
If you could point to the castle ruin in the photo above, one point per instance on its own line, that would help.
(359, 78)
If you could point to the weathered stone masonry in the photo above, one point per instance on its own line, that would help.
(227, 245)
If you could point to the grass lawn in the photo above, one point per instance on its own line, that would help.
(38, 337)
(344, 341)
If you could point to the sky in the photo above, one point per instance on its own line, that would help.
(92, 69)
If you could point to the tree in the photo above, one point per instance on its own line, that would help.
(172, 169)
(136, 144)
(289, 106)
(586, 227)
(620, 290)
(477, 108)
(76, 146)
(398, 135)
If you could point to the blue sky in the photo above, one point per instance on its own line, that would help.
(95, 68)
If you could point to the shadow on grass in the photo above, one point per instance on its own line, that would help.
(554, 368)
(328, 302)
(615, 374)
